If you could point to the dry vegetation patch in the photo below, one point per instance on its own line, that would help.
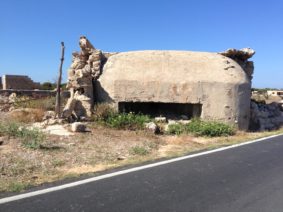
(102, 148)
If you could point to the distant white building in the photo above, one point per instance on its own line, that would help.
(275, 93)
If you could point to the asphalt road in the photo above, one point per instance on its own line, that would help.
(247, 178)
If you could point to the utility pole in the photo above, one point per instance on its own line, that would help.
(58, 90)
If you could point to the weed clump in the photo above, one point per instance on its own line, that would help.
(139, 150)
(31, 138)
(202, 128)
(106, 115)
(176, 129)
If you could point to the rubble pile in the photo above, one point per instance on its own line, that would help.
(265, 116)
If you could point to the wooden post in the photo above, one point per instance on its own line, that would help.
(58, 90)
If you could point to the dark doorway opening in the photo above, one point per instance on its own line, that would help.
(169, 110)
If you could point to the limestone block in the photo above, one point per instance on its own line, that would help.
(151, 126)
(160, 119)
(78, 127)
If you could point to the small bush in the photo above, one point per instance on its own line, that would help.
(17, 186)
(31, 138)
(176, 129)
(129, 121)
(209, 128)
(202, 128)
(9, 129)
(48, 86)
(106, 115)
(102, 112)
(139, 150)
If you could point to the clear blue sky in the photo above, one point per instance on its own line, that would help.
(31, 31)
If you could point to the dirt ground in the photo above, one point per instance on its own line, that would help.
(99, 149)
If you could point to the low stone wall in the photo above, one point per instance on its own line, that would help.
(18, 82)
(33, 93)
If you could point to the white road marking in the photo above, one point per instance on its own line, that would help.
(105, 176)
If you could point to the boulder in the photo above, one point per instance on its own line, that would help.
(151, 126)
(48, 115)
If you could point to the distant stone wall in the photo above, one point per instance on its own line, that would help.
(18, 82)
(33, 93)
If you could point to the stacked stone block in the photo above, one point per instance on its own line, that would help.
(18, 82)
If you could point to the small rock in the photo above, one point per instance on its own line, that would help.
(48, 115)
(78, 127)
(11, 108)
(12, 97)
(57, 130)
(166, 127)
(171, 122)
(72, 144)
(151, 126)
(121, 158)
(184, 121)
(1, 142)
(52, 121)
(160, 119)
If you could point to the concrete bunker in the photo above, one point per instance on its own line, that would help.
(171, 78)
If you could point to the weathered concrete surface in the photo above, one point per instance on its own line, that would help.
(213, 80)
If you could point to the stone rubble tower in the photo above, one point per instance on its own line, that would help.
(85, 67)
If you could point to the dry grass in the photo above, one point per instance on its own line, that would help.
(26, 115)
(60, 157)
(46, 103)
(98, 150)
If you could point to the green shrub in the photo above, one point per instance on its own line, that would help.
(202, 128)
(139, 150)
(129, 121)
(9, 129)
(176, 129)
(47, 86)
(105, 114)
(209, 128)
(17, 186)
(31, 138)
(102, 112)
